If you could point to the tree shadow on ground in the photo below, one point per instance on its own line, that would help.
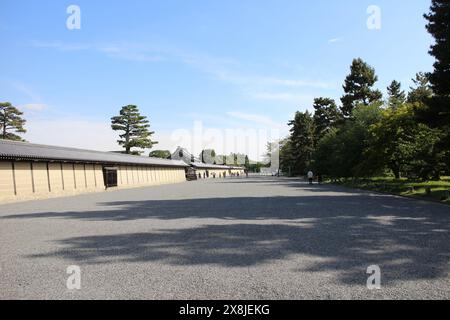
(409, 241)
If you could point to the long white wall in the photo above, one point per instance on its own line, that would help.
(27, 180)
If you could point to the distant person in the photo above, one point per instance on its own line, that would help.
(310, 177)
(319, 178)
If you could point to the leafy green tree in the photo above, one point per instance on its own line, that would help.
(241, 159)
(163, 154)
(396, 96)
(403, 145)
(287, 161)
(302, 140)
(326, 155)
(247, 162)
(391, 141)
(220, 159)
(135, 128)
(439, 27)
(358, 87)
(340, 153)
(429, 160)
(236, 159)
(11, 122)
(208, 156)
(353, 139)
(421, 90)
(326, 116)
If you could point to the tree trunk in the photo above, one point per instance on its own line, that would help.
(396, 171)
(127, 140)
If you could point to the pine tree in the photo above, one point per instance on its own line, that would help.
(302, 140)
(436, 112)
(396, 95)
(358, 87)
(326, 115)
(421, 90)
(11, 120)
(135, 129)
(439, 27)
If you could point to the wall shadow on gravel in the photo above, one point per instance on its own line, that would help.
(407, 240)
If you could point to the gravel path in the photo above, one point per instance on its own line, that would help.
(257, 238)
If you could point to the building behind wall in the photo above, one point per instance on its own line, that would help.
(31, 171)
(206, 170)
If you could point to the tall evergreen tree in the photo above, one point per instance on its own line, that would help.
(326, 115)
(436, 112)
(396, 96)
(135, 129)
(302, 140)
(358, 87)
(421, 90)
(11, 122)
(439, 27)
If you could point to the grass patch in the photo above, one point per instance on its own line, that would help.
(431, 190)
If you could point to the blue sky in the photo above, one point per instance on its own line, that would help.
(229, 64)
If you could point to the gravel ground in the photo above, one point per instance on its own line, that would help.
(257, 238)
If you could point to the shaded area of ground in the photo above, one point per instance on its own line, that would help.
(411, 243)
(309, 229)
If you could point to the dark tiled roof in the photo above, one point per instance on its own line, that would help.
(28, 151)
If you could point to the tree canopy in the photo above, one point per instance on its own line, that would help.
(208, 156)
(163, 154)
(396, 96)
(135, 128)
(302, 141)
(421, 91)
(439, 27)
(11, 122)
(326, 116)
(358, 87)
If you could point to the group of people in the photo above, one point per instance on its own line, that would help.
(311, 176)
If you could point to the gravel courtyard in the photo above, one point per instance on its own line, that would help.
(256, 238)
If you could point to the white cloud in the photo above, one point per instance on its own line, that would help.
(297, 83)
(126, 51)
(221, 69)
(26, 90)
(283, 96)
(255, 118)
(92, 134)
(334, 40)
(84, 134)
(34, 106)
(77, 133)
